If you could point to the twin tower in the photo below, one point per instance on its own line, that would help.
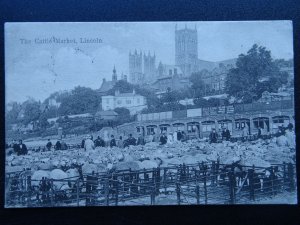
(142, 67)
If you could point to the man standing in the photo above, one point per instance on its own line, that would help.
(89, 144)
(99, 142)
(21, 148)
(140, 140)
(121, 142)
(163, 139)
(213, 136)
(179, 135)
(131, 140)
(259, 133)
(112, 141)
(49, 145)
(227, 134)
(58, 145)
(64, 145)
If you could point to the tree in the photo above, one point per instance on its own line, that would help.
(122, 86)
(122, 111)
(11, 116)
(171, 97)
(123, 115)
(255, 73)
(81, 100)
(198, 85)
(43, 122)
(32, 111)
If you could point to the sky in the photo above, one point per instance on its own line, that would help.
(35, 69)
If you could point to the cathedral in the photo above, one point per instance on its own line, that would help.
(143, 70)
(186, 50)
(141, 67)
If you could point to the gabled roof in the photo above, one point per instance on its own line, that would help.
(106, 86)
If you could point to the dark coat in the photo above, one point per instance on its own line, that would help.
(99, 142)
(179, 136)
(112, 143)
(213, 137)
(21, 149)
(82, 143)
(58, 145)
(49, 145)
(131, 141)
(163, 139)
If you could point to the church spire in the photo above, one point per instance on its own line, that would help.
(114, 76)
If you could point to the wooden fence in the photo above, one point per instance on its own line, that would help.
(212, 183)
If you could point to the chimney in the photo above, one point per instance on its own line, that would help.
(117, 92)
(133, 91)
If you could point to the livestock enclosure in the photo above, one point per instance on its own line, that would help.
(211, 183)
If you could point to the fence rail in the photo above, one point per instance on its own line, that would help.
(212, 183)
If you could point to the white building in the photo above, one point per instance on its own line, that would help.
(131, 101)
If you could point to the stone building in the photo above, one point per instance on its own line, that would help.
(136, 75)
(131, 101)
(186, 50)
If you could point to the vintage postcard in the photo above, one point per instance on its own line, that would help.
(149, 113)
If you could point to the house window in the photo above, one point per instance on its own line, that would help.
(128, 102)
(107, 101)
(207, 127)
(119, 102)
(163, 129)
(138, 100)
(191, 128)
(150, 130)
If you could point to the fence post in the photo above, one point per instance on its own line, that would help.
(117, 191)
(231, 187)
(251, 183)
(284, 172)
(165, 177)
(272, 181)
(178, 193)
(217, 171)
(183, 172)
(179, 169)
(291, 177)
(158, 179)
(29, 190)
(204, 180)
(198, 194)
(51, 192)
(107, 191)
(213, 173)
(77, 191)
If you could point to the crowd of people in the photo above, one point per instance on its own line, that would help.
(178, 136)
(18, 148)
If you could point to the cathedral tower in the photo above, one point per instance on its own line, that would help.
(186, 50)
(135, 67)
(149, 67)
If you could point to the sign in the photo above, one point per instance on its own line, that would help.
(230, 109)
(221, 109)
(194, 112)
